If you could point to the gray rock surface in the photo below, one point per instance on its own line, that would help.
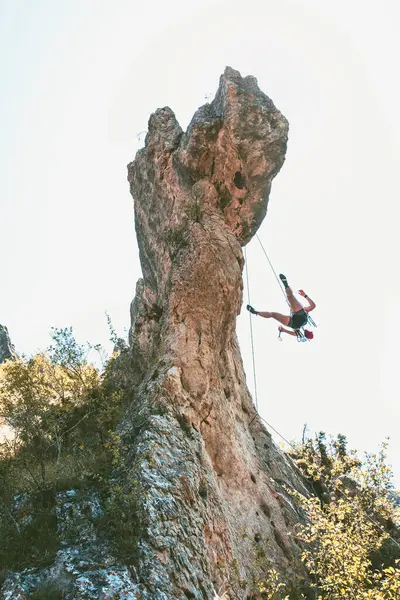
(84, 567)
(7, 351)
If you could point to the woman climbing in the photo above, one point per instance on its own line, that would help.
(299, 314)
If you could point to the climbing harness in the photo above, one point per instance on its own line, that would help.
(300, 335)
(311, 321)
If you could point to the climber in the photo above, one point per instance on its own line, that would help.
(298, 317)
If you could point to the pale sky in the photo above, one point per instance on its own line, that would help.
(79, 81)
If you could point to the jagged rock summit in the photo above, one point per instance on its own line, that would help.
(7, 351)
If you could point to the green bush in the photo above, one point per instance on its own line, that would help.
(120, 523)
(48, 590)
(348, 522)
(29, 538)
(62, 411)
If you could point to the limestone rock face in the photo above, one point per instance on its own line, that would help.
(7, 351)
(212, 480)
(83, 568)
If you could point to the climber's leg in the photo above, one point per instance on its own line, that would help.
(294, 303)
(284, 319)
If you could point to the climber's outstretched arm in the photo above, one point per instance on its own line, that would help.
(311, 303)
(283, 330)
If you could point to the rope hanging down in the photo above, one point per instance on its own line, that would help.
(251, 331)
(273, 270)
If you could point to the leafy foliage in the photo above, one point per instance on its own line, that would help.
(62, 412)
(348, 521)
(29, 537)
(48, 590)
(121, 521)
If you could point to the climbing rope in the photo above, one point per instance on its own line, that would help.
(273, 270)
(251, 330)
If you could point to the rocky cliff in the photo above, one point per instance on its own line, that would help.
(207, 486)
(212, 478)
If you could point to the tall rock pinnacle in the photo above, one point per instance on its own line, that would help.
(212, 480)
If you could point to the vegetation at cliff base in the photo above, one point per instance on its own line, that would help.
(350, 538)
(62, 412)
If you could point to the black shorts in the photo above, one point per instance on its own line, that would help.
(298, 319)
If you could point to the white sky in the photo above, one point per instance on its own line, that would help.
(79, 81)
